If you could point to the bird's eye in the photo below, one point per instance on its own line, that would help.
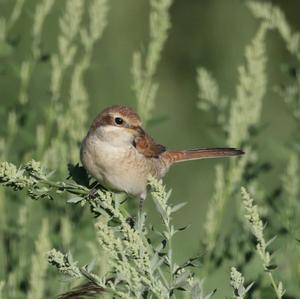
(119, 120)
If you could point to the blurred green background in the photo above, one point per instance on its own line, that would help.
(212, 34)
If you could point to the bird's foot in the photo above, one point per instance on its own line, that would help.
(93, 192)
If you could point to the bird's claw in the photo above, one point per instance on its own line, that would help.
(92, 194)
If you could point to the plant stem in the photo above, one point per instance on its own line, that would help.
(278, 295)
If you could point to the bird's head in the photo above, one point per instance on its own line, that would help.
(117, 124)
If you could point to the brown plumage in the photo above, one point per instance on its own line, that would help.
(105, 117)
(201, 153)
(147, 146)
(121, 155)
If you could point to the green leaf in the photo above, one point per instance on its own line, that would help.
(182, 228)
(271, 267)
(140, 223)
(270, 241)
(75, 200)
(249, 287)
(178, 207)
(156, 262)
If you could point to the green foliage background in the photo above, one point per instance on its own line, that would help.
(211, 34)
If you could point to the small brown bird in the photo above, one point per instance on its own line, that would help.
(121, 155)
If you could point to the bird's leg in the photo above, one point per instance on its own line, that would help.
(142, 200)
(141, 205)
(137, 221)
(141, 216)
(92, 193)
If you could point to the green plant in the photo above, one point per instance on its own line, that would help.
(49, 59)
(143, 71)
(237, 283)
(137, 264)
(252, 216)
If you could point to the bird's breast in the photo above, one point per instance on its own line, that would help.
(120, 168)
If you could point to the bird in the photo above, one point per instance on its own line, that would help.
(121, 155)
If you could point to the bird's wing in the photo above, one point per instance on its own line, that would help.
(146, 146)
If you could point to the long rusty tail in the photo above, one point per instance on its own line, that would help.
(200, 153)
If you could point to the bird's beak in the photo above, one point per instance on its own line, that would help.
(138, 131)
